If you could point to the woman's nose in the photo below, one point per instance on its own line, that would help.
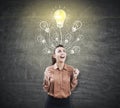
(63, 52)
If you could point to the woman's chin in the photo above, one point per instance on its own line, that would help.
(62, 61)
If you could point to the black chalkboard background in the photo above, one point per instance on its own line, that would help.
(22, 63)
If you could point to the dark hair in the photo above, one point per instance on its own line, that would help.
(53, 59)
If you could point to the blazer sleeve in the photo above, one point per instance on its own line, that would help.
(74, 79)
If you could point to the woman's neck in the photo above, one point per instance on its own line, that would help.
(60, 65)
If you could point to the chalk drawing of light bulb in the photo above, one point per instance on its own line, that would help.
(75, 50)
(41, 39)
(56, 36)
(46, 51)
(68, 38)
(76, 26)
(44, 26)
(79, 38)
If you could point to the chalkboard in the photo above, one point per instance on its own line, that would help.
(23, 63)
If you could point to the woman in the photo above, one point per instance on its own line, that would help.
(59, 80)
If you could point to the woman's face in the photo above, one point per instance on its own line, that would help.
(60, 54)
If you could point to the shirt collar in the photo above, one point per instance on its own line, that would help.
(56, 67)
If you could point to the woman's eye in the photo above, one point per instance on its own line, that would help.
(64, 51)
(59, 51)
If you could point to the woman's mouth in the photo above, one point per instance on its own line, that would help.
(62, 57)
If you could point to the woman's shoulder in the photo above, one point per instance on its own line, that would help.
(69, 67)
(72, 69)
(49, 69)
